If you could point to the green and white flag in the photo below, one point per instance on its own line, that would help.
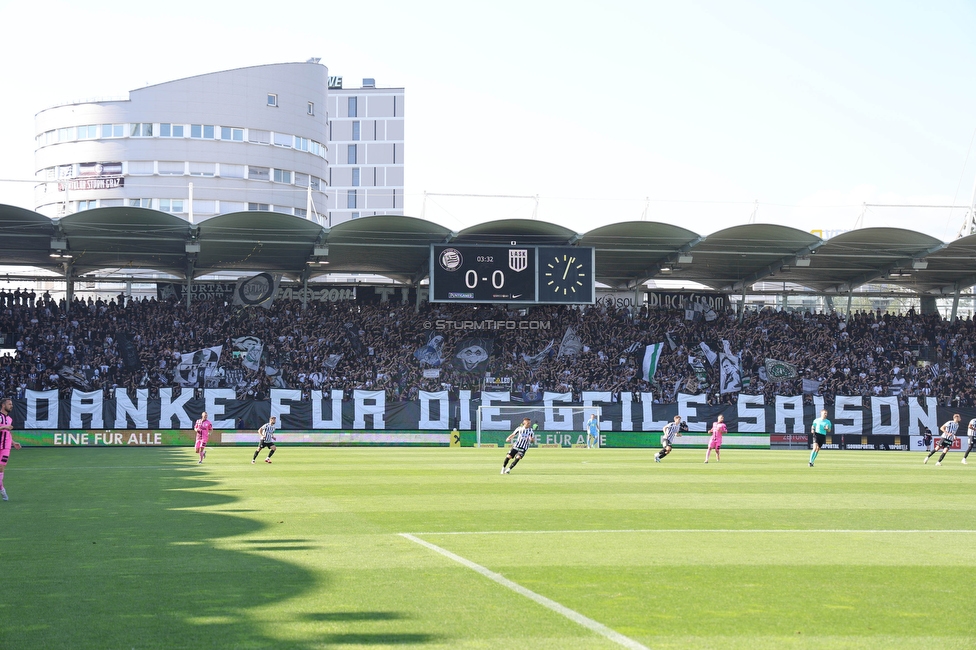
(780, 370)
(651, 355)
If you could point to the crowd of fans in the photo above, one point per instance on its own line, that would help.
(126, 343)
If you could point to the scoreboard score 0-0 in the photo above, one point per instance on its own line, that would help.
(511, 274)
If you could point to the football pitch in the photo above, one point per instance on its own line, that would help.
(433, 548)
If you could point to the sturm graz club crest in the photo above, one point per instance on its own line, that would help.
(451, 259)
(518, 259)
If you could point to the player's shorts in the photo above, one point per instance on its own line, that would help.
(202, 441)
(514, 451)
(927, 440)
(820, 439)
(944, 443)
(263, 444)
(4, 456)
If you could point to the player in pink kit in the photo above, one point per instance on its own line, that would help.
(203, 427)
(6, 441)
(718, 430)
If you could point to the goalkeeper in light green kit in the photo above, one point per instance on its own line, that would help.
(820, 428)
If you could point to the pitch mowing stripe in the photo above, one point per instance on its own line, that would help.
(572, 615)
(699, 530)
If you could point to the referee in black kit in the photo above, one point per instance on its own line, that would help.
(524, 436)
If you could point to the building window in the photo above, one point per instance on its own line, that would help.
(205, 131)
(350, 199)
(140, 168)
(264, 207)
(301, 143)
(355, 215)
(282, 176)
(311, 108)
(170, 167)
(171, 205)
(258, 173)
(355, 130)
(352, 107)
(171, 130)
(301, 212)
(231, 171)
(87, 205)
(140, 203)
(144, 130)
(351, 154)
(355, 177)
(272, 99)
(202, 169)
(258, 136)
(230, 133)
(315, 182)
(112, 130)
(87, 132)
(65, 134)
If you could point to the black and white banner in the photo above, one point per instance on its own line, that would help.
(195, 367)
(784, 415)
(257, 291)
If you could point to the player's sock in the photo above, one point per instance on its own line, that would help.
(708, 454)
(1, 479)
(943, 455)
(514, 463)
(271, 453)
(505, 462)
(256, 454)
(813, 456)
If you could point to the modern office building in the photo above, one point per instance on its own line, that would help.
(365, 150)
(254, 138)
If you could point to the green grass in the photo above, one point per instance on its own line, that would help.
(143, 548)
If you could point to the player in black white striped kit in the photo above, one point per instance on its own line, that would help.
(948, 431)
(524, 436)
(971, 432)
(266, 439)
(668, 433)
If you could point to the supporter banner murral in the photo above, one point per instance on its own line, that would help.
(196, 366)
(471, 355)
(709, 300)
(430, 352)
(257, 291)
(252, 347)
(779, 371)
(785, 415)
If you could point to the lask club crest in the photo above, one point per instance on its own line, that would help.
(518, 259)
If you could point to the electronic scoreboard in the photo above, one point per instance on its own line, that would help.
(511, 274)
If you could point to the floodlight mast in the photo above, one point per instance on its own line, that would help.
(969, 221)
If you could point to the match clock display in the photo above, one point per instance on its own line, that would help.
(566, 274)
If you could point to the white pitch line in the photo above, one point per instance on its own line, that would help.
(572, 615)
(698, 530)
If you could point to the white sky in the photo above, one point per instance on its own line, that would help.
(811, 108)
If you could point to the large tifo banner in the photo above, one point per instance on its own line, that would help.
(366, 410)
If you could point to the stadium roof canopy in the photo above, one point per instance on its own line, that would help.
(112, 242)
